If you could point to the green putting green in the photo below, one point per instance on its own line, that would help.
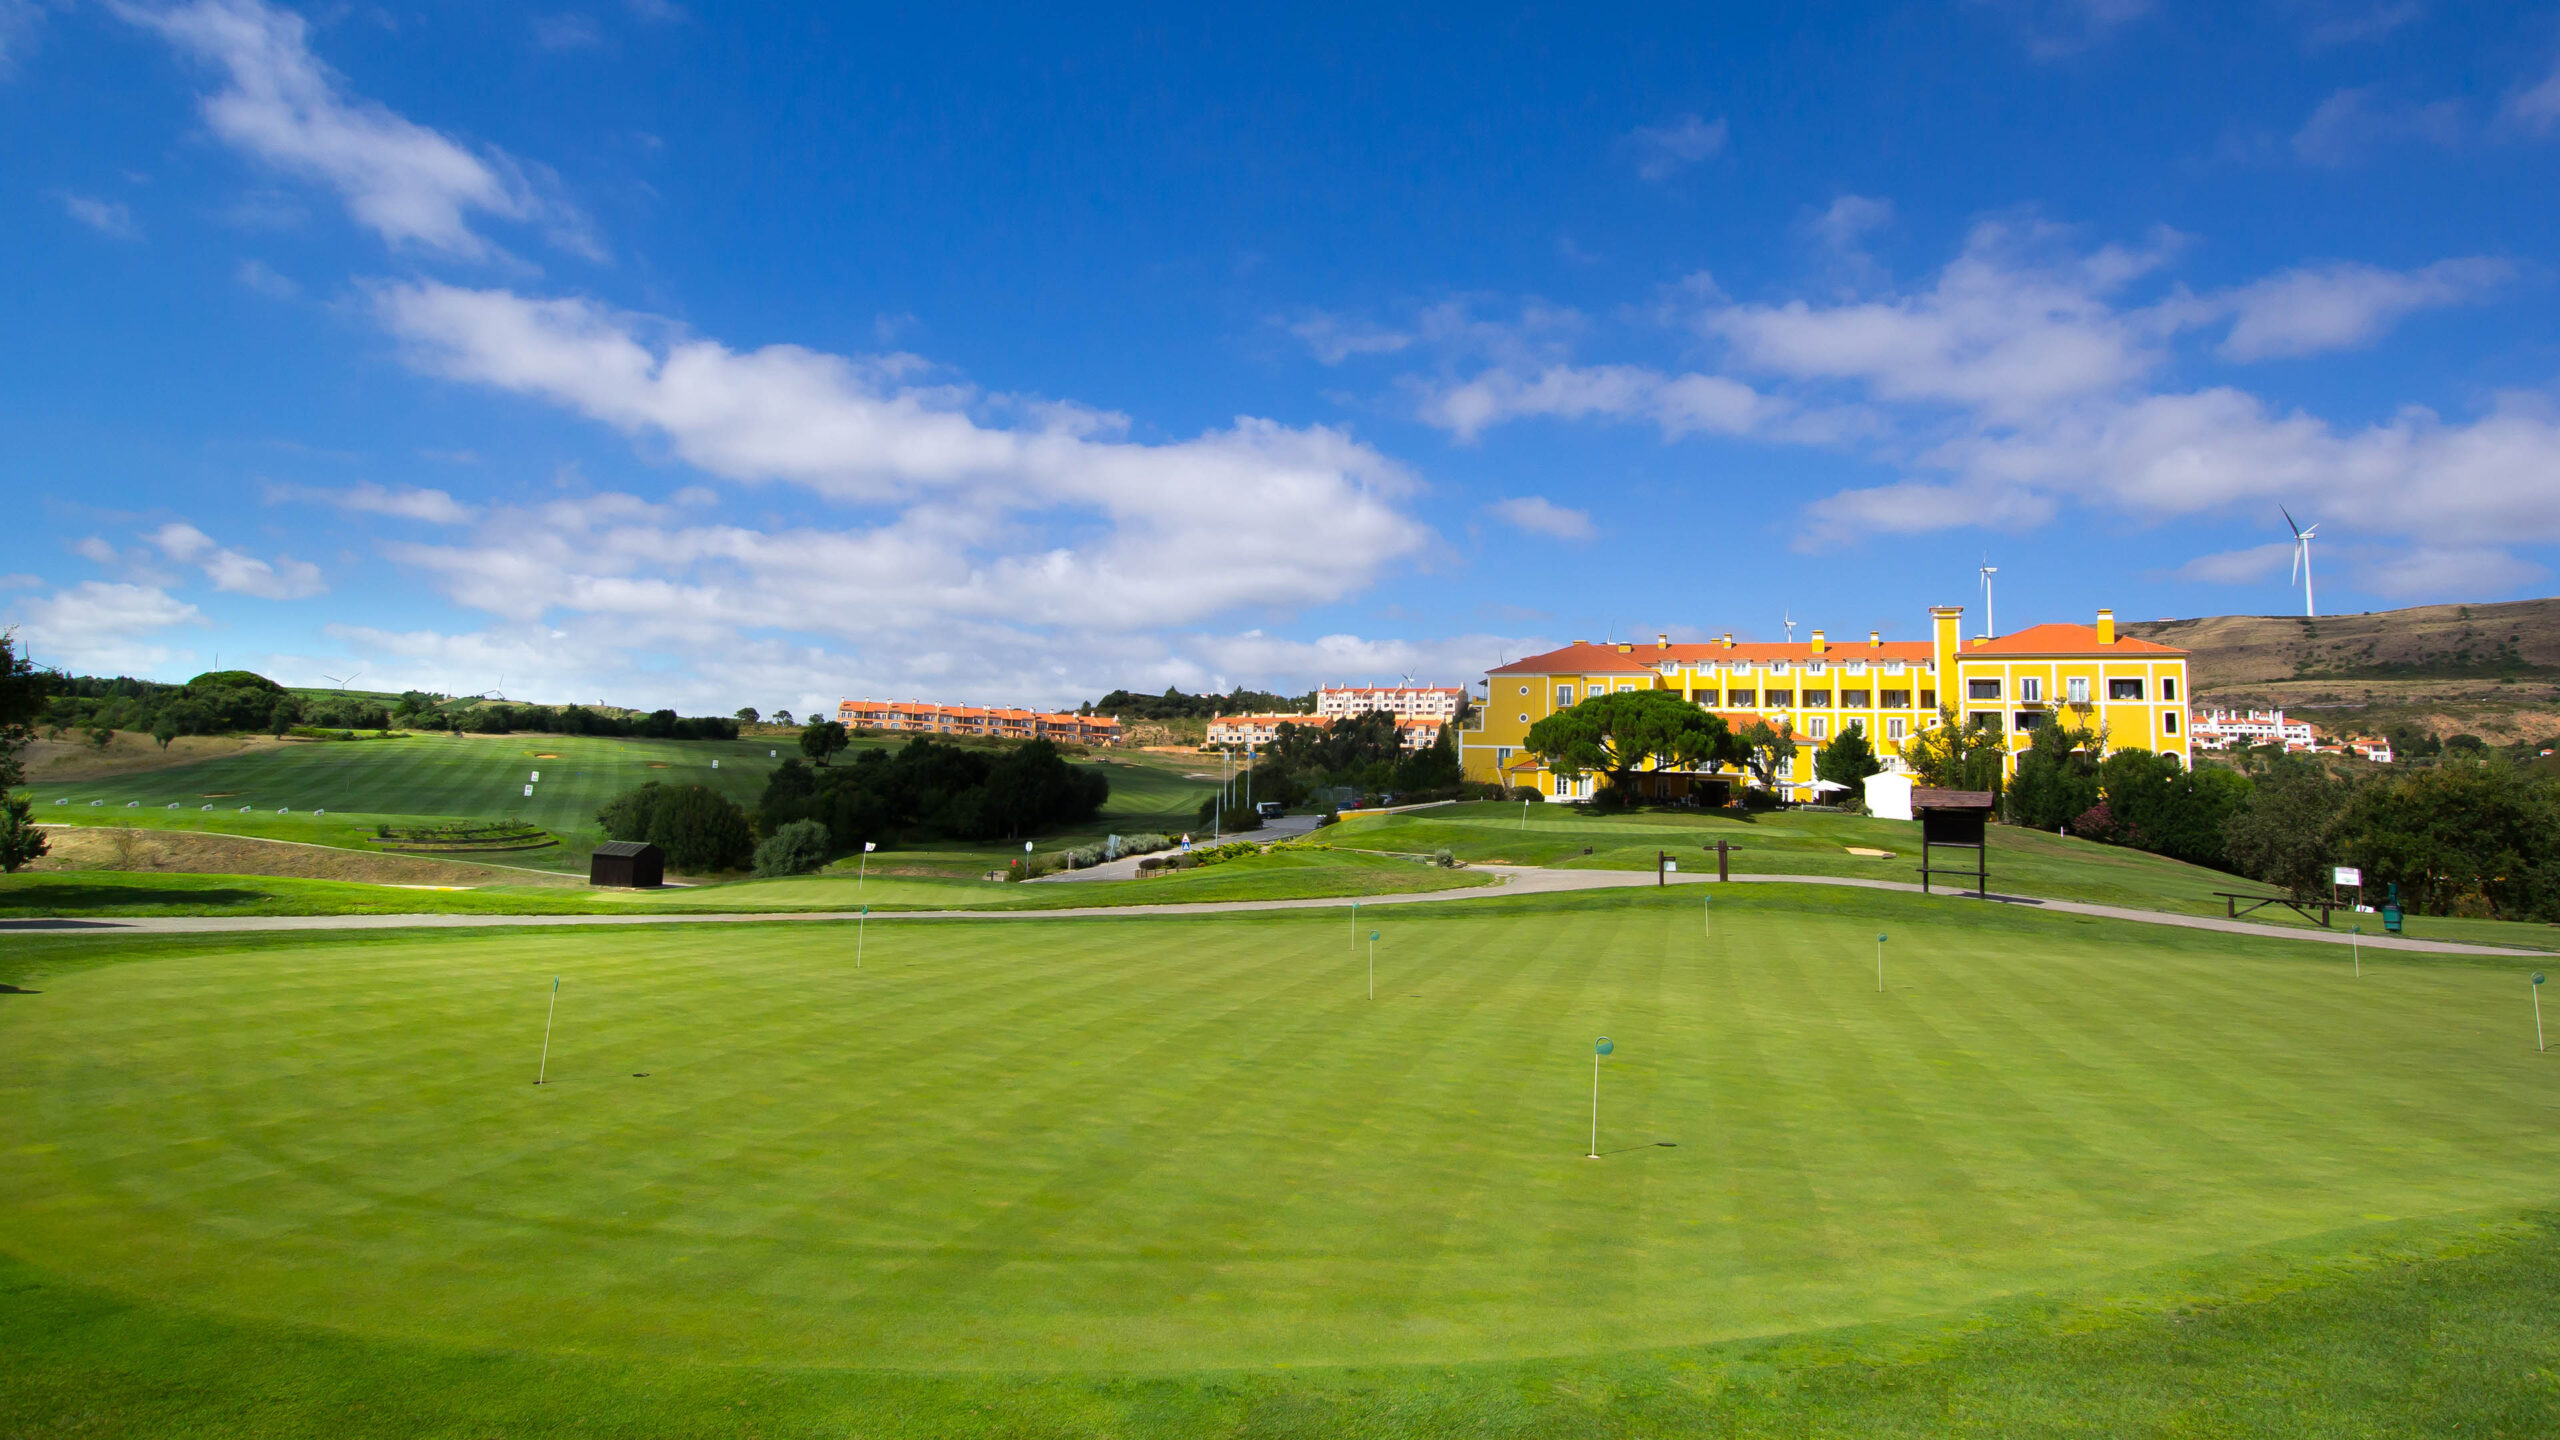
(1190, 1144)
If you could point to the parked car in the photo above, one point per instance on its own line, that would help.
(1270, 810)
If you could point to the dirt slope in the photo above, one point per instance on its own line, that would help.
(2492, 670)
(97, 847)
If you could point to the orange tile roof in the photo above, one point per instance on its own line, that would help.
(2061, 638)
(1585, 658)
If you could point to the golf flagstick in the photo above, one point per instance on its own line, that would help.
(2537, 1010)
(1599, 1048)
(543, 1071)
(1879, 962)
(1373, 970)
(2355, 947)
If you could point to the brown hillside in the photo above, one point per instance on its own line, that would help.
(2492, 670)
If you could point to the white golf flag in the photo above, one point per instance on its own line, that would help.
(869, 846)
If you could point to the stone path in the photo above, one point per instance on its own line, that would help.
(1513, 880)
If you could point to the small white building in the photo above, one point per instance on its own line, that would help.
(1414, 702)
(1889, 795)
(2217, 728)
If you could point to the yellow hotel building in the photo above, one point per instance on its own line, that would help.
(2131, 691)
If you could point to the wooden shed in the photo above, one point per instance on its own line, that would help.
(631, 863)
(1954, 820)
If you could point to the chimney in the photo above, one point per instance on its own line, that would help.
(1876, 638)
(1728, 639)
(2106, 627)
(1819, 644)
(1662, 640)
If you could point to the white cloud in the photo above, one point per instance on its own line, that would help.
(280, 579)
(257, 275)
(2369, 22)
(569, 31)
(1843, 226)
(2056, 28)
(406, 182)
(435, 507)
(111, 218)
(2239, 567)
(1055, 514)
(18, 21)
(1333, 339)
(99, 627)
(1679, 404)
(2352, 123)
(2537, 107)
(2447, 573)
(1541, 516)
(2007, 328)
(2337, 306)
(1664, 150)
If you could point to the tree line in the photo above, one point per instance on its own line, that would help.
(231, 702)
(812, 810)
(2475, 833)
(1175, 705)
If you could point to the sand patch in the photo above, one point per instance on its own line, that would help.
(183, 852)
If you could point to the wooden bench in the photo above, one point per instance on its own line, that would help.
(2303, 908)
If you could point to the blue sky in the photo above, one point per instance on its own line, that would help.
(711, 356)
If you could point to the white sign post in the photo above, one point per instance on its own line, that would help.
(1599, 1048)
(543, 1071)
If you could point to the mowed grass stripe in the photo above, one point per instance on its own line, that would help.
(1193, 1141)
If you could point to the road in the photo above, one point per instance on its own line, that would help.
(1512, 880)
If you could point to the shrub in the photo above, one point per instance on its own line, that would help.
(1756, 799)
(1445, 858)
(700, 829)
(796, 849)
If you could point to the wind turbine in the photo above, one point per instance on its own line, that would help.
(1988, 570)
(1790, 622)
(2302, 557)
(339, 682)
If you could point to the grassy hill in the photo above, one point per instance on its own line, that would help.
(415, 778)
(2492, 670)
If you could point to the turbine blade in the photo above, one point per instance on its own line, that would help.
(2289, 520)
(2297, 566)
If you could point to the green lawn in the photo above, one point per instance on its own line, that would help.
(1811, 842)
(1178, 1176)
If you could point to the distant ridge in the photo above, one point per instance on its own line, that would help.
(2492, 670)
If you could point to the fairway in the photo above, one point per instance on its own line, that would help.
(1185, 1144)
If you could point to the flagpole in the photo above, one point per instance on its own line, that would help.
(1595, 1107)
(543, 1071)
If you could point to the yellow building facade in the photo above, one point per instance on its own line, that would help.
(2131, 692)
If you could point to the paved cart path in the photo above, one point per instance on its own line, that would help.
(1512, 880)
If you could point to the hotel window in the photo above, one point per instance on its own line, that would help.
(1982, 689)
(2031, 690)
(2168, 687)
(1893, 667)
(1777, 667)
(2026, 720)
(1855, 699)
(1707, 699)
(1813, 667)
(1896, 699)
(1821, 727)
(1928, 699)
(1894, 729)
(1777, 699)
(2124, 689)
(1501, 755)
(2168, 722)
(1524, 719)
(1741, 699)
(2078, 689)
(1856, 667)
(1983, 719)
(1564, 696)
(1817, 699)
(1524, 689)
